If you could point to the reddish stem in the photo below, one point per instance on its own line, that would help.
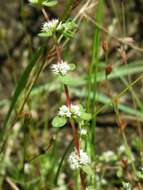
(75, 135)
(58, 52)
(82, 180)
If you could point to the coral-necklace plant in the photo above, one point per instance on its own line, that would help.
(72, 113)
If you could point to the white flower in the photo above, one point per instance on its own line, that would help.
(33, 1)
(64, 111)
(74, 160)
(121, 149)
(108, 156)
(50, 25)
(77, 161)
(104, 181)
(83, 131)
(84, 158)
(60, 68)
(69, 111)
(75, 109)
(127, 186)
(27, 168)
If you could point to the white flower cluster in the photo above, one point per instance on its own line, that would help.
(50, 25)
(108, 156)
(55, 25)
(127, 186)
(60, 68)
(69, 111)
(64, 111)
(77, 161)
(121, 149)
(75, 109)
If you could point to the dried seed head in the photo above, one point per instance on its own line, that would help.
(122, 123)
(127, 40)
(105, 46)
(123, 55)
(125, 162)
(108, 69)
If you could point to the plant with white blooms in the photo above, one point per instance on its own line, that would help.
(108, 156)
(75, 114)
(49, 28)
(64, 111)
(76, 161)
(74, 111)
(61, 68)
(55, 27)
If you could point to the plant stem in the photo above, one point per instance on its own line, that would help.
(68, 100)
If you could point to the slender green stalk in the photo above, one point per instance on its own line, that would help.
(61, 162)
(93, 70)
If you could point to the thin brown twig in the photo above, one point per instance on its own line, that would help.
(45, 15)
(11, 183)
(114, 37)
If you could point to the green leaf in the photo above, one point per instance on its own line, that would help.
(139, 174)
(70, 80)
(88, 170)
(68, 29)
(68, 34)
(72, 67)
(137, 143)
(49, 3)
(119, 172)
(85, 116)
(82, 109)
(45, 34)
(91, 188)
(59, 121)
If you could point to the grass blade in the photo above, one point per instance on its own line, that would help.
(22, 83)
